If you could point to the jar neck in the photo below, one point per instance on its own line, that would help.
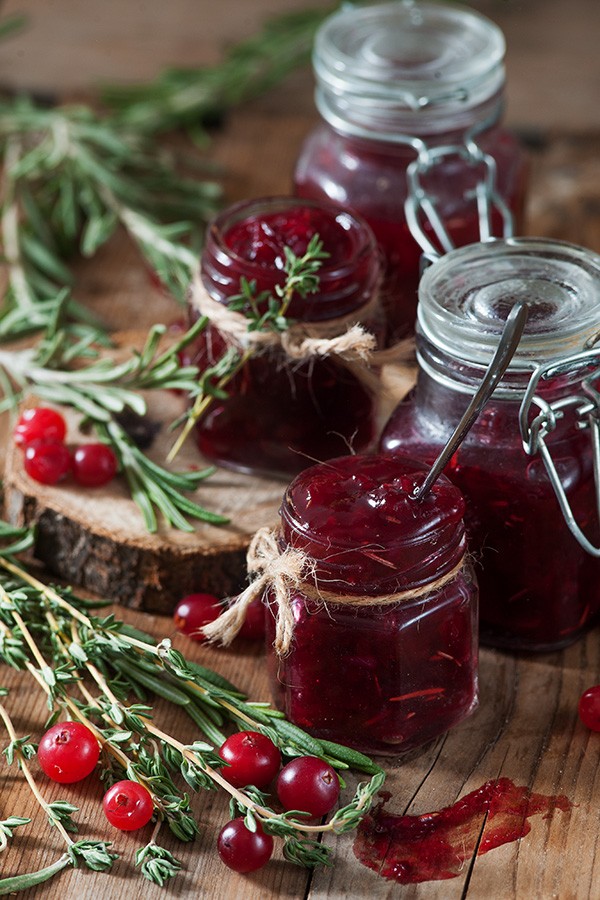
(348, 277)
(442, 375)
(366, 536)
(429, 127)
(407, 69)
(466, 297)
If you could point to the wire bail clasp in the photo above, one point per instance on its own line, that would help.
(587, 410)
(421, 206)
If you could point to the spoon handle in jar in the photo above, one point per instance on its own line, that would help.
(509, 341)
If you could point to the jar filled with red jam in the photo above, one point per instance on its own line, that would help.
(526, 468)
(384, 649)
(279, 415)
(411, 100)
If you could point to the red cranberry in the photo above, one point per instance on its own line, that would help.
(194, 611)
(68, 752)
(589, 708)
(253, 759)
(94, 465)
(40, 423)
(253, 627)
(243, 850)
(47, 461)
(308, 784)
(128, 805)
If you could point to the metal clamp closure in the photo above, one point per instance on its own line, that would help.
(586, 405)
(421, 205)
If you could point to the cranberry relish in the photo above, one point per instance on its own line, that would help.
(357, 515)
(383, 678)
(279, 416)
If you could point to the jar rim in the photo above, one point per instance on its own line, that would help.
(466, 296)
(362, 238)
(404, 65)
(420, 529)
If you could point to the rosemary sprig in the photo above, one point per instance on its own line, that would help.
(72, 176)
(265, 312)
(86, 667)
(69, 180)
(196, 98)
(59, 372)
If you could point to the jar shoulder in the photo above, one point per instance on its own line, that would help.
(426, 427)
(327, 154)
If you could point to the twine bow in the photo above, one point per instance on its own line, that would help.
(280, 570)
(342, 336)
(286, 571)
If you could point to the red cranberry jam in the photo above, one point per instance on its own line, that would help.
(280, 415)
(382, 677)
(539, 586)
(396, 83)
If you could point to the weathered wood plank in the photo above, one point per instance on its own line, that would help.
(526, 727)
(204, 875)
(96, 538)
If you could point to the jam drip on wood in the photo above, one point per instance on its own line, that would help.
(437, 845)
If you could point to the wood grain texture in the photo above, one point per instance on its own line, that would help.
(96, 538)
(526, 727)
(552, 61)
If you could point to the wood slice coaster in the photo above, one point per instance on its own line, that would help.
(95, 537)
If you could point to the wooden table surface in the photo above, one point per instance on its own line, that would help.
(526, 727)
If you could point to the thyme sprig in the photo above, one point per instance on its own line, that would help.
(96, 855)
(87, 666)
(264, 311)
(101, 390)
(7, 827)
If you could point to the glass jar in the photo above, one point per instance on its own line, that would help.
(539, 578)
(384, 649)
(279, 415)
(411, 98)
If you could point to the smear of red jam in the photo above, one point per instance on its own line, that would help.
(436, 845)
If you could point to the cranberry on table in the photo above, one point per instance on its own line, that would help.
(94, 465)
(308, 784)
(68, 752)
(194, 611)
(253, 759)
(47, 461)
(243, 850)
(253, 627)
(589, 708)
(128, 805)
(39, 423)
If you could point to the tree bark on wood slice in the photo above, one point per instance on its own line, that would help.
(95, 537)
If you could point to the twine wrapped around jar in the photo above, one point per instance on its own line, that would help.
(342, 337)
(287, 571)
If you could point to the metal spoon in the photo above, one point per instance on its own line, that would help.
(509, 341)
